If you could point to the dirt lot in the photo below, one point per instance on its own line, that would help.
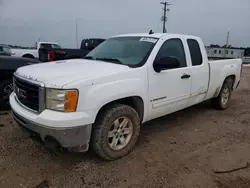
(179, 150)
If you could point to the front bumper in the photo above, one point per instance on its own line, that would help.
(75, 139)
(57, 126)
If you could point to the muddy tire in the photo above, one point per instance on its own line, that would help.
(221, 102)
(6, 87)
(115, 132)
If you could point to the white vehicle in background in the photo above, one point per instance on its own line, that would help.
(33, 52)
(102, 101)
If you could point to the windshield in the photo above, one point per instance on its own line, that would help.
(55, 46)
(49, 46)
(132, 51)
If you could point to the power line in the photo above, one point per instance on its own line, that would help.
(164, 17)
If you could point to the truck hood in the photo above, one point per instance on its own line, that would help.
(58, 73)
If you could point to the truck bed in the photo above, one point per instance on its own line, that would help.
(218, 70)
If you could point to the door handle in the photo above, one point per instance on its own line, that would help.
(185, 76)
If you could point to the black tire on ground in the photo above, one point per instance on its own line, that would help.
(100, 141)
(6, 87)
(220, 103)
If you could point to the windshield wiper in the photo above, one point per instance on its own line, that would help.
(110, 60)
(88, 57)
(104, 59)
(113, 60)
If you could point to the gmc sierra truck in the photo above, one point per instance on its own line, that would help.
(102, 101)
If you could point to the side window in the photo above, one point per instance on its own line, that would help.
(215, 51)
(174, 48)
(55, 46)
(45, 45)
(195, 52)
(5, 49)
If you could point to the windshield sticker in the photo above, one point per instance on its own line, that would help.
(144, 39)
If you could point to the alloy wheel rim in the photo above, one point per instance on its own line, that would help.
(225, 96)
(120, 133)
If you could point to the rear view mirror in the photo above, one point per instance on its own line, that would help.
(166, 63)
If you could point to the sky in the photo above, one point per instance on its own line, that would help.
(24, 22)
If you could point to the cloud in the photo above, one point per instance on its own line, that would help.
(23, 22)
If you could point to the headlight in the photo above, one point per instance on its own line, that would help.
(61, 100)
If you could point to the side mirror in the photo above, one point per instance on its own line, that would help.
(166, 63)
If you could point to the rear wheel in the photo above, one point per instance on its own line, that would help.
(115, 132)
(6, 88)
(222, 101)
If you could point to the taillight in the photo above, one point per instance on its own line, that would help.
(51, 56)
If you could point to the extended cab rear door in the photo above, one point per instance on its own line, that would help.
(169, 90)
(199, 70)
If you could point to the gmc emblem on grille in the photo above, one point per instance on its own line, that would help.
(20, 93)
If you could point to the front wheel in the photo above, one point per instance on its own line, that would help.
(222, 101)
(115, 132)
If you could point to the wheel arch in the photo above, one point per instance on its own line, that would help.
(135, 102)
(28, 56)
(231, 76)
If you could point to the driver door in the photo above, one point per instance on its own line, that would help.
(169, 90)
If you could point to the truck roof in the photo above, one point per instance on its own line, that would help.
(48, 42)
(155, 35)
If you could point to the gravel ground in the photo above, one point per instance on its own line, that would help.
(179, 150)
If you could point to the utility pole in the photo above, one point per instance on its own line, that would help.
(227, 39)
(76, 35)
(164, 17)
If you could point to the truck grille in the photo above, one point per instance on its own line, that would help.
(27, 93)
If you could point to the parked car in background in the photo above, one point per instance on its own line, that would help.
(53, 54)
(8, 65)
(33, 52)
(5, 50)
(102, 100)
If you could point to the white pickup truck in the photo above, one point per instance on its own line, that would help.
(101, 101)
(33, 52)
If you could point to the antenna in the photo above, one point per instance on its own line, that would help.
(151, 32)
